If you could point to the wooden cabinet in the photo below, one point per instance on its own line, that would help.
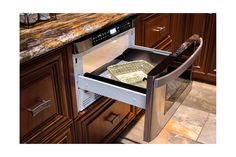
(43, 97)
(104, 120)
(153, 30)
(205, 26)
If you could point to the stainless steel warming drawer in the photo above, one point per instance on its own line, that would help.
(165, 86)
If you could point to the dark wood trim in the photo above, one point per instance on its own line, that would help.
(69, 70)
(177, 29)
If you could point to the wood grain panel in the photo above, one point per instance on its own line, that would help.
(153, 35)
(42, 79)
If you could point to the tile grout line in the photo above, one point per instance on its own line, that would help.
(203, 126)
(188, 138)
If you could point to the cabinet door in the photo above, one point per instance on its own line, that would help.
(42, 94)
(205, 26)
(196, 24)
(104, 120)
(211, 57)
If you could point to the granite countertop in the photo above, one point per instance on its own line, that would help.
(50, 35)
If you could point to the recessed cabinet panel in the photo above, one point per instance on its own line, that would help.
(42, 94)
(107, 121)
(204, 25)
(38, 102)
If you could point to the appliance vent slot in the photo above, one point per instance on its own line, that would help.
(90, 100)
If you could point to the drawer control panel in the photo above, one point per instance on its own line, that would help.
(102, 35)
(110, 32)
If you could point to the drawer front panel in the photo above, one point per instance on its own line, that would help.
(42, 96)
(32, 97)
(156, 29)
(107, 121)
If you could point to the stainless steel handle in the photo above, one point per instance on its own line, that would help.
(159, 29)
(42, 105)
(177, 72)
(214, 70)
(112, 118)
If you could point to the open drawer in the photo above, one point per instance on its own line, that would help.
(162, 90)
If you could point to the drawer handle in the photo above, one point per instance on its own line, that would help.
(42, 105)
(159, 29)
(112, 118)
(196, 66)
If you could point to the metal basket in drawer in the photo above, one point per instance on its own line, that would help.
(132, 72)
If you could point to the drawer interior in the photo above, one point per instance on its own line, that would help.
(130, 54)
(99, 80)
(133, 54)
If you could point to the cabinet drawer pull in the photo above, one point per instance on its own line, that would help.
(159, 29)
(42, 105)
(196, 66)
(112, 118)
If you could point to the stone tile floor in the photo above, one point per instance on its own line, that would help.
(193, 123)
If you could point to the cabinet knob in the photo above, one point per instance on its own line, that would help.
(159, 29)
(40, 106)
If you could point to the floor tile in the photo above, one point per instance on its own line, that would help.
(135, 133)
(202, 97)
(186, 122)
(208, 133)
(166, 137)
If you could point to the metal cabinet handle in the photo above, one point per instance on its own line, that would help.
(177, 72)
(159, 29)
(112, 118)
(196, 66)
(42, 105)
(155, 76)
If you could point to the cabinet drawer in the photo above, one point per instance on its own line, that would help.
(42, 96)
(155, 29)
(107, 121)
